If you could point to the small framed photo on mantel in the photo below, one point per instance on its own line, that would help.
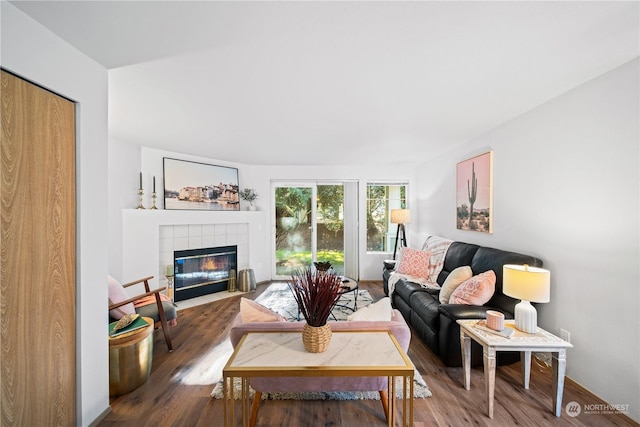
(474, 193)
(200, 186)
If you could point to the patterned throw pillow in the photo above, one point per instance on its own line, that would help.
(453, 280)
(476, 291)
(251, 311)
(414, 263)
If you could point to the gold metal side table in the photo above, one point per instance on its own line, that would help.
(130, 357)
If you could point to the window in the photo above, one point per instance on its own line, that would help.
(381, 198)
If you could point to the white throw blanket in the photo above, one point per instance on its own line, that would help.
(395, 276)
(438, 247)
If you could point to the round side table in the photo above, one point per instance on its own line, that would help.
(130, 357)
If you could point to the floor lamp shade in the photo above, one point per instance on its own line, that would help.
(400, 217)
(529, 284)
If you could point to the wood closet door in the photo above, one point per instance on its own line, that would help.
(37, 291)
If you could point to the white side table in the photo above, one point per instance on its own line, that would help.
(541, 341)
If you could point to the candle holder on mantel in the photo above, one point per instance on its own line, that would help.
(170, 287)
(140, 193)
(153, 198)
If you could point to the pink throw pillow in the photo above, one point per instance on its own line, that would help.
(251, 311)
(456, 278)
(414, 263)
(116, 295)
(475, 291)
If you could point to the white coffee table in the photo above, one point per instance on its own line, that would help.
(541, 341)
(273, 354)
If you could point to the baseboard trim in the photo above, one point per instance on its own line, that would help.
(100, 417)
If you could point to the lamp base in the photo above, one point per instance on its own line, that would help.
(526, 317)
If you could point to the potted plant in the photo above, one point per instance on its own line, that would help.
(250, 195)
(322, 266)
(316, 295)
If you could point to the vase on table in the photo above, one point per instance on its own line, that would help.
(316, 339)
(316, 293)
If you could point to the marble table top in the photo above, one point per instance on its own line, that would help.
(541, 338)
(352, 351)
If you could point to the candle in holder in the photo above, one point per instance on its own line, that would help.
(169, 270)
(495, 320)
(140, 181)
(154, 184)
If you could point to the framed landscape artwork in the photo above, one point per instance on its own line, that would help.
(474, 193)
(200, 186)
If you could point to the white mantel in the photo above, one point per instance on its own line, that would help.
(142, 247)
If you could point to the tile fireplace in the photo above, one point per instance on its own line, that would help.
(203, 271)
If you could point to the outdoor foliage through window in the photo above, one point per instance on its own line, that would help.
(380, 200)
(293, 227)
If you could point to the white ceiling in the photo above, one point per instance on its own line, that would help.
(335, 82)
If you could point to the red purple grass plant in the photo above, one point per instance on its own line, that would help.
(316, 294)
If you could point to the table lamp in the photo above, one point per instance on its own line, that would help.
(529, 284)
(400, 217)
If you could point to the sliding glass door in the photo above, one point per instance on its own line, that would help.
(309, 224)
(294, 230)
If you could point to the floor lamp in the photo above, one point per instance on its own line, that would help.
(400, 217)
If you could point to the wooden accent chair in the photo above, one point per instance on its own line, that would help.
(159, 312)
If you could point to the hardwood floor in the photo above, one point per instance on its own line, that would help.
(167, 400)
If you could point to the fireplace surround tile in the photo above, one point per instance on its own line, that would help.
(166, 233)
(195, 242)
(180, 243)
(180, 230)
(195, 230)
(208, 229)
(220, 229)
(196, 236)
(149, 239)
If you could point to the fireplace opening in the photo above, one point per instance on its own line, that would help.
(203, 271)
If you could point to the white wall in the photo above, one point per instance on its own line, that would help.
(123, 170)
(566, 189)
(33, 52)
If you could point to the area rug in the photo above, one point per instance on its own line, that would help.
(278, 297)
(420, 390)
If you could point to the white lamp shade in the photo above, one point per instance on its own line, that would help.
(526, 283)
(400, 216)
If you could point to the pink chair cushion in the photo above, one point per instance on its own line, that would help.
(396, 325)
(116, 295)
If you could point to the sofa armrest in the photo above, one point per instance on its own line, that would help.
(463, 311)
(449, 332)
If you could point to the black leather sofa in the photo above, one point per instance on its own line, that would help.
(435, 323)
